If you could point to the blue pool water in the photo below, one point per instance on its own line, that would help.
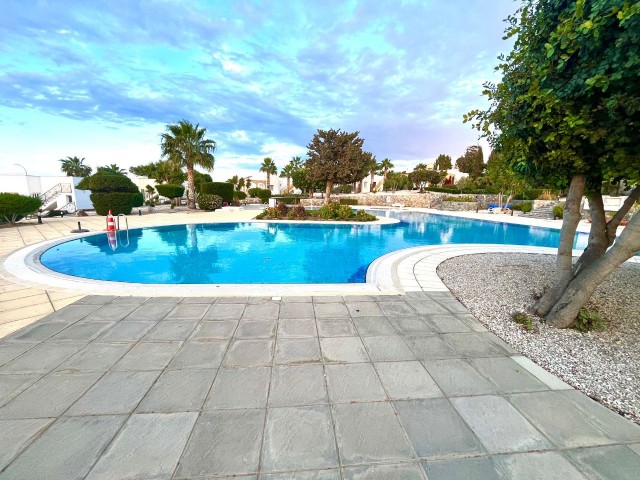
(273, 253)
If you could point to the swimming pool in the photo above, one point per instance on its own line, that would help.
(247, 252)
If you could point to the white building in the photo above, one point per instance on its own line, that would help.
(56, 192)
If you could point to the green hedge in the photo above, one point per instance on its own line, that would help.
(107, 182)
(449, 198)
(117, 202)
(239, 195)
(170, 190)
(137, 199)
(348, 201)
(209, 202)
(261, 193)
(14, 206)
(289, 199)
(222, 189)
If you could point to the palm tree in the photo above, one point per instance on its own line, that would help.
(385, 165)
(113, 168)
(269, 167)
(374, 166)
(233, 181)
(286, 173)
(185, 145)
(296, 162)
(247, 182)
(74, 167)
(240, 184)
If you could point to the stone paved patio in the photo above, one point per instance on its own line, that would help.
(387, 387)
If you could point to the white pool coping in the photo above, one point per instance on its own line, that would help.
(407, 270)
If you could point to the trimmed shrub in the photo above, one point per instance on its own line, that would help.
(107, 182)
(209, 202)
(239, 195)
(348, 201)
(290, 199)
(221, 189)
(262, 193)
(170, 190)
(137, 199)
(558, 211)
(117, 202)
(14, 206)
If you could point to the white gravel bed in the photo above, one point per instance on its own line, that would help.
(604, 365)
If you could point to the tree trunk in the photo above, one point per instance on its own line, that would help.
(268, 181)
(328, 192)
(578, 292)
(564, 259)
(191, 188)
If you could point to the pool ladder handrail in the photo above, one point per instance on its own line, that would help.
(127, 227)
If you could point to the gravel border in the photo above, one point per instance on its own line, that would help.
(604, 365)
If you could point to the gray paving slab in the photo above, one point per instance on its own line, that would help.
(615, 425)
(152, 311)
(429, 347)
(115, 393)
(297, 350)
(127, 331)
(296, 299)
(357, 382)
(225, 311)
(454, 306)
(408, 325)
(296, 310)
(233, 299)
(370, 432)
(9, 351)
(132, 299)
(327, 299)
(435, 428)
(199, 354)
(297, 328)
(509, 376)
(239, 388)
(373, 326)
(12, 385)
(384, 472)
(462, 469)
(360, 298)
(297, 385)
(50, 396)
(498, 425)
(111, 312)
(559, 419)
(299, 437)
(38, 332)
(41, 359)
(167, 331)
(538, 465)
(398, 309)
(96, 299)
(407, 380)
(330, 310)
(17, 435)
(187, 312)
(364, 309)
(343, 350)
(387, 348)
(427, 307)
(457, 377)
(249, 353)
(603, 463)
(448, 324)
(333, 474)
(335, 327)
(148, 446)
(71, 313)
(265, 311)
(66, 451)
(218, 330)
(208, 300)
(472, 345)
(224, 442)
(256, 329)
(178, 391)
(262, 300)
(81, 332)
(148, 356)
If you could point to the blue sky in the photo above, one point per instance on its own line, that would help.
(102, 79)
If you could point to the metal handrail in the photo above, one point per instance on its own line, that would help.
(126, 220)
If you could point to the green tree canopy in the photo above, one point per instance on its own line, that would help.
(185, 145)
(443, 162)
(162, 171)
(566, 114)
(74, 167)
(113, 168)
(336, 158)
(421, 176)
(472, 162)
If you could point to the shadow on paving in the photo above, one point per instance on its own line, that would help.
(353, 388)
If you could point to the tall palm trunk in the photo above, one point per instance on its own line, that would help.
(191, 187)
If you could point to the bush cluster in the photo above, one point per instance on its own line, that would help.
(558, 211)
(348, 201)
(262, 193)
(523, 319)
(14, 206)
(467, 198)
(239, 195)
(524, 207)
(112, 191)
(170, 190)
(290, 199)
(590, 320)
(333, 211)
(221, 189)
(209, 202)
